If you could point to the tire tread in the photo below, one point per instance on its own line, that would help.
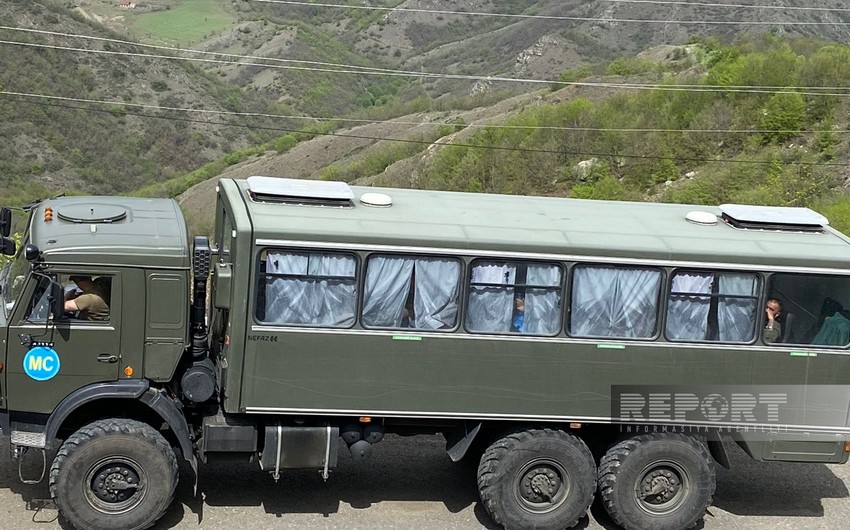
(104, 427)
(488, 474)
(609, 469)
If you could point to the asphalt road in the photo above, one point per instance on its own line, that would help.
(410, 483)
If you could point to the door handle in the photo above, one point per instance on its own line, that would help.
(107, 358)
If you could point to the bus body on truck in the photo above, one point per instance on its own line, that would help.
(574, 348)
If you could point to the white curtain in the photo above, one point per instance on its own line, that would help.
(288, 300)
(542, 306)
(319, 301)
(614, 302)
(387, 288)
(335, 296)
(436, 295)
(687, 316)
(491, 307)
(736, 316)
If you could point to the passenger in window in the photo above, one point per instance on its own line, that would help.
(835, 330)
(407, 320)
(88, 300)
(518, 321)
(772, 328)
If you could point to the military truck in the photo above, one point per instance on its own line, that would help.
(572, 348)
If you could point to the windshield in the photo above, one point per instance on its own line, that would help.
(12, 279)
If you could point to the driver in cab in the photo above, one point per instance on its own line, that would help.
(87, 301)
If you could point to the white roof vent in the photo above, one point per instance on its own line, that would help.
(773, 218)
(300, 191)
(376, 200)
(701, 218)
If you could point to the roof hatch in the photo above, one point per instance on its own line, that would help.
(773, 218)
(299, 191)
(84, 213)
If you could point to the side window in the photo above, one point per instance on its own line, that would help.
(226, 234)
(307, 288)
(713, 306)
(811, 310)
(87, 296)
(38, 308)
(514, 297)
(13, 278)
(616, 302)
(411, 292)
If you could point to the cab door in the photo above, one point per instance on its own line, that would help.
(49, 359)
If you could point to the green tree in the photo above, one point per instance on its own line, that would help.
(784, 115)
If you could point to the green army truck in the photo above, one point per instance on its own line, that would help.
(572, 348)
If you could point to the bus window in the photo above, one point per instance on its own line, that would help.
(617, 302)
(713, 306)
(307, 288)
(411, 292)
(514, 297)
(813, 309)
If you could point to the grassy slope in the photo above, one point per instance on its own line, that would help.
(189, 22)
(105, 149)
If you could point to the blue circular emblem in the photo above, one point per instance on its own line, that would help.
(41, 363)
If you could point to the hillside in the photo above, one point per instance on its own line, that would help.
(534, 48)
(53, 145)
(786, 148)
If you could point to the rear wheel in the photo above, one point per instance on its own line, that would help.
(115, 473)
(662, 481)
(538, 479)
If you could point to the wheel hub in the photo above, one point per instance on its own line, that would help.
(660, 486)
(115, 484)
(540, 484)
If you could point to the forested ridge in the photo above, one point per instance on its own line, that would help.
(694, 138)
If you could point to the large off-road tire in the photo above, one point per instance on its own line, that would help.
(114, 473)
(540, 479)
(662, 481)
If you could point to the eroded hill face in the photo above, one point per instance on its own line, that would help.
(576, 33)
(120, 148)
(535, 39)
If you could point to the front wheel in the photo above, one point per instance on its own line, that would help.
(115, 473)
(540, 479)
(662, 481)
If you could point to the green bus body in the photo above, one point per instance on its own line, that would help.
(264, 383)
(457, 374)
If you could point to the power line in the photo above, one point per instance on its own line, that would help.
(438, 143)
(805, 91)
(190, 50)
(382, 70)
(409, 123)
(735, 6)
(557, 17)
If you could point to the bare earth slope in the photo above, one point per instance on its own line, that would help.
(306, 159)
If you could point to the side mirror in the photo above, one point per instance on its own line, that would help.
(5, 222)
(57, 300)
(31, 252)
(8, 246)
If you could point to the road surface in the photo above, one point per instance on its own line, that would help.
(410, 483)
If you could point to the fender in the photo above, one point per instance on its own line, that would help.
(460, 440)
(715, 447)
(125, 389)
